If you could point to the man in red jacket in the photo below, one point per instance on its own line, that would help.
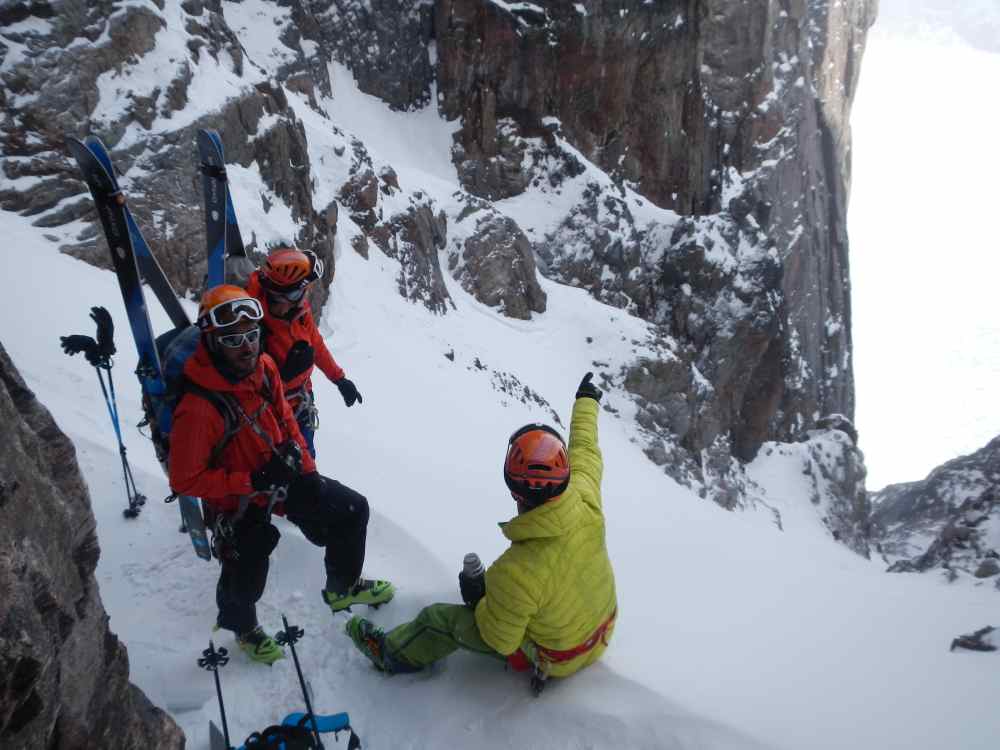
(257, 467)
(291, 336)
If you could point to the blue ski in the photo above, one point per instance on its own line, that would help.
(216, 192)
(149, 268)
(222, 232)
(111, 209)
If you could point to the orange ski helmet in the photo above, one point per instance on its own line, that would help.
(289, 270)
(537, 466)
(225, 305)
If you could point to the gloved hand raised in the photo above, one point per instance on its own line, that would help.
(587, 389)
(300, 358)
(105, 330)
(348, 391)
(281, 469)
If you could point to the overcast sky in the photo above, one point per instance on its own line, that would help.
(924, 252)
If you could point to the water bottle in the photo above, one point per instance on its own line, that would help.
(472, 579)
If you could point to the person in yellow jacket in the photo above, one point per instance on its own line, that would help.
(548, 603)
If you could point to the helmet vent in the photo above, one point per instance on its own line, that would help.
(540, 467)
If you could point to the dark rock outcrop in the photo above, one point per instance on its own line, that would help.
(383, 42)
(948, 521)
(414, 236)
(492, 260)
(63, 674)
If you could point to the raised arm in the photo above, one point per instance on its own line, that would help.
(585, 461)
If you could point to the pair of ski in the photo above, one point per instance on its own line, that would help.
(134, 263)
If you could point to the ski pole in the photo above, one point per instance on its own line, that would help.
(135, 498)
(212, 659)
(288, 637)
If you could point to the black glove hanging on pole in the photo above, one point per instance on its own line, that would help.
(79, 343)
(105, 331)
(588, 389)
(98, 352)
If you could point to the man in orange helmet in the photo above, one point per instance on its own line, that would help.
(291, 336)
(235, 444)
(548, 603)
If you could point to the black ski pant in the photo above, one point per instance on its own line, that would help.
(330, 515)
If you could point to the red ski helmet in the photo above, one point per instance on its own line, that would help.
(290, 270)
(537, 465)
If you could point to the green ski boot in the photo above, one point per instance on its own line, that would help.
(365, 591)
(260, 647)
(369, 640)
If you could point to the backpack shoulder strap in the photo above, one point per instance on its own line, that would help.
(227, 408)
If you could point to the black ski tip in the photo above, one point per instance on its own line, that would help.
(93, 140)
(131, 513)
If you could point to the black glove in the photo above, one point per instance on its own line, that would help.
(588, 389)
(300, 358)
(472, 580)
(79, 343)
(473, 589)
(348, 391)
(280, 470)
(105, 330)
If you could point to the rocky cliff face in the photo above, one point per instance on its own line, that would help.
(63, 673)
(732, 115)
(694, 157)
(949, 521)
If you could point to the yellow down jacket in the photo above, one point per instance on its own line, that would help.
(554, 586)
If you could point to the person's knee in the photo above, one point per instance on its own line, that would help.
(257, 541)
(360, 510)
(352, 505)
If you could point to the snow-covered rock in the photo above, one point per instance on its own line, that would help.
(948, 521)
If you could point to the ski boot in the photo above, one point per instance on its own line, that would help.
(369, 640)
(260, 647)
(365, 591)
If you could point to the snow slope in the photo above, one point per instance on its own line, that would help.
(732, 634)
(924, 260)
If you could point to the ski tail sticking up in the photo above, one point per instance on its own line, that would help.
(149, 268)
(216, 193)
(114, 215)
(227, 258)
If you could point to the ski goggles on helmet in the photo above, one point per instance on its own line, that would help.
(236, 340)
(231, 312)
(293, 295)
